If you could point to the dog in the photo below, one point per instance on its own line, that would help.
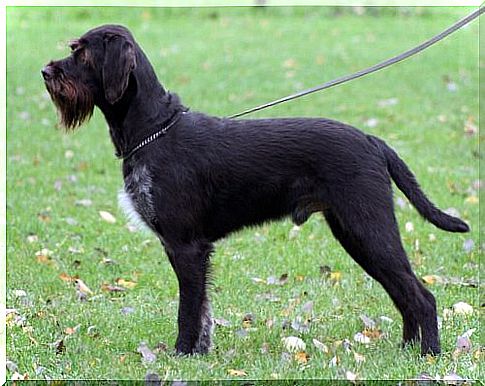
(193, 179)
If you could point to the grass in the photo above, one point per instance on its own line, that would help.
(221, 61)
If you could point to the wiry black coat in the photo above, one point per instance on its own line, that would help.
(207, 177)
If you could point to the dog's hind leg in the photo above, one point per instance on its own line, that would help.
(191, 265)
(369, 233)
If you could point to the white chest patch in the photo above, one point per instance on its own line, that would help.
(136, 198)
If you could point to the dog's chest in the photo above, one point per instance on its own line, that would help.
(136, 199)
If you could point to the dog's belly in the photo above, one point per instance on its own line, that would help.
(136, 199)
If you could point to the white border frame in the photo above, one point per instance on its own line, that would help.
(145, 3)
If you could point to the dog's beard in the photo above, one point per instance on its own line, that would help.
(74, 101)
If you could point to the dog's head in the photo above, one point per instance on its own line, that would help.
(97, 72)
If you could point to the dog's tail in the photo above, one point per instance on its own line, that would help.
(406, 182)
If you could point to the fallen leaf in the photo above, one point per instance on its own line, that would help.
(470, 127)
(401, 203)
(19, 293)
(361, 338)
(350, 376)
(432, 279)
(294, 232)
(237, 373)
(127, 310)
(160, 347)
(386, 319)
(283, 279)
(84, 202)
(264, 348)
(371, 122)
(11, 366)
(468, 245)
(372, 333)
(126, 283)
(335, 361)
(248, 319)
(112, 288)
(19, 377)
(32, 238)
(347, 345)
(336, 276)
(321, 346)
(301, 357)
(147, 355)
(307, 308)
(68, 278)
(453, 377)
(58, 185)
(472, 199)
(71, 330)
(222, 322)
(293, 344)
(59, 346)
(82, 287)
(106, 216)
(359, 358)
(462, 308)
(300, 326)
(463, 344)
(368, 322)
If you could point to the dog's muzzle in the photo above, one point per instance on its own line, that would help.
(47, 72)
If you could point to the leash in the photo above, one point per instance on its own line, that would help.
(369, 70)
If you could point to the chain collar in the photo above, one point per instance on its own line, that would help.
(167, 125)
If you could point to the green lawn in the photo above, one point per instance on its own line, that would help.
(222, 61)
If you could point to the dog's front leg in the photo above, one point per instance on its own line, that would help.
(190, 262)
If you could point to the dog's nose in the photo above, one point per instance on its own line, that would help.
(46, 72)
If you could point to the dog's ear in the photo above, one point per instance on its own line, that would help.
(119, 61)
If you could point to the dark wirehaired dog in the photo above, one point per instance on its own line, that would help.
(193, 179)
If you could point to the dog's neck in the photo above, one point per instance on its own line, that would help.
(144, 106)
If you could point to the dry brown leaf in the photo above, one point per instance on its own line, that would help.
(44, 259)
(71, 330)
(472, 199)
(301, 357)
(359, 357)
(237, 373)
(372, 333)
(68, 278)
(432, 279)
(126, 283)
(336, 276)
(112, 288)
